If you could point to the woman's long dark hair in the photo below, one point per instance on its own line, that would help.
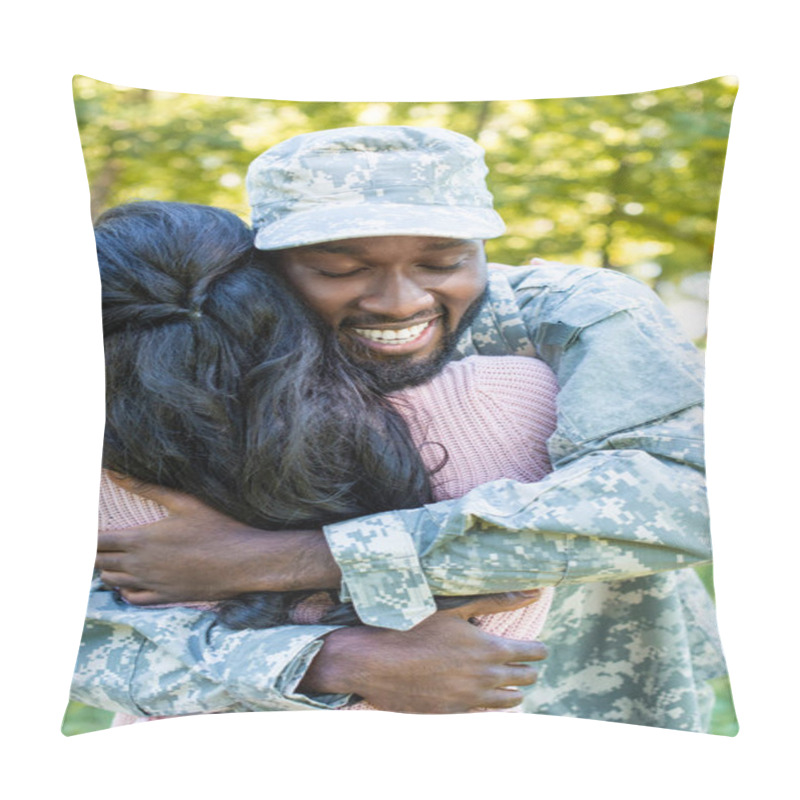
(221, 384)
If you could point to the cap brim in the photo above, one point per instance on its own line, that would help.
(355, 221)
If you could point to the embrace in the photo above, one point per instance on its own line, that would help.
(349, 464)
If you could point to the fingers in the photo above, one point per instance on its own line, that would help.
(129, 591)
(505, 693)
(515, 652)
(116, 541)
(520, 675)
(502, 698)
(129, 588)
(109, 562)
(521, 651)
(118, 580)
(495, 603)
(142, 597)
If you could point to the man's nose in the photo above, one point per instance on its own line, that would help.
(394, 294)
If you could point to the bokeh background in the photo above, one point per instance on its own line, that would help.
(627, 182)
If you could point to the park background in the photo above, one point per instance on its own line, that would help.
(627, 182)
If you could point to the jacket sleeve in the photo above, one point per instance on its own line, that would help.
(627, 495)
(174, 660)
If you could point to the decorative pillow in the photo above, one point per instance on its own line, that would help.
(597, 293)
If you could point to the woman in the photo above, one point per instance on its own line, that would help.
(221, 384)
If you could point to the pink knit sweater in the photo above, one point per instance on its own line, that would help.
(491, 416)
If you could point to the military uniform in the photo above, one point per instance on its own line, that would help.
(632, 634)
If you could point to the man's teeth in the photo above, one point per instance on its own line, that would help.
(392, 337)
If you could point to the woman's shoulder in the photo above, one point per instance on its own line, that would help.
(119, 508)
(507, 385)
(504, 373)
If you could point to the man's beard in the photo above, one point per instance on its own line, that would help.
(393, 373)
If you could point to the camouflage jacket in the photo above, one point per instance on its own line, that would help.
(632, 636)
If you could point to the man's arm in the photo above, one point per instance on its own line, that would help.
(171, 661)
(611, 514)
(176, 660)
(608, 516)
(198, 553)
(627, 497)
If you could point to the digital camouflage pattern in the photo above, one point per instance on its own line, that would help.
(376, 180)
(632, 636)
(636, 651)
(627, 499)
(610, 510)
(177, 660)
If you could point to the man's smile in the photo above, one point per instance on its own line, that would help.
(398, 341)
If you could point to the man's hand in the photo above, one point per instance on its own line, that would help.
(197, 553)
(444, 665)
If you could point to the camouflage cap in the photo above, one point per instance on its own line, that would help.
(370, 181)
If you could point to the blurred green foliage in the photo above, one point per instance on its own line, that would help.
(83, 719)
(723, 717)
(626, 181)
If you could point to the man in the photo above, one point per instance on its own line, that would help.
(380, 231)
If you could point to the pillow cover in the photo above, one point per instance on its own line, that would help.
(623, 187)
